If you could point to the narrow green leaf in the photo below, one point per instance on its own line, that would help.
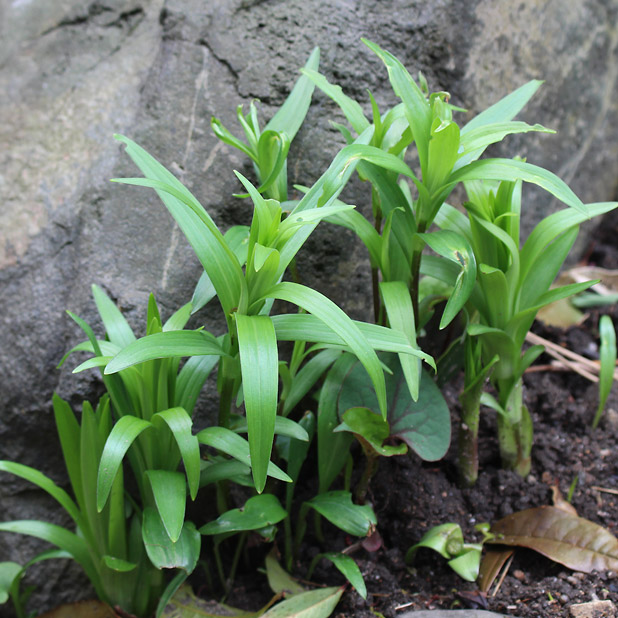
(180, 424)
(506, 109)
(257, 345)
(237, 447)
(118, 564)
(291, 114)
(116, 326)
(170, 496)
(166, 345)
(608, 364)
(400, 312)
(306, 327)
(350, 108)
(69, 434)
(350, 570)
(325, 310)
(201, 232)
(307, 377)
(45, 483)
(191, 379)
(513, 170)
(333, 448)
(123, 434)
(418, 111)
(62, 538)
(9, 572)
(456, 248)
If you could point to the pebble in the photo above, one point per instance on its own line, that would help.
(593, 609)
(520, 575)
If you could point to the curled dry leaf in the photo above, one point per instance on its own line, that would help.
(573, 541)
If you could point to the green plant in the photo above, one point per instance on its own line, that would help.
(448, 541)
(107, 543)
(512, 284)
(608, 364)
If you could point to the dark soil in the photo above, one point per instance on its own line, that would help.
(411, 496)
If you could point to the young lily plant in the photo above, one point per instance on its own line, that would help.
(512, 284)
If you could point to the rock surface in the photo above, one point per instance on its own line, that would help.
(74, 72)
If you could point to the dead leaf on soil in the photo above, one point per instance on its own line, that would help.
(573, 541)
(494, 559)
(82, 609)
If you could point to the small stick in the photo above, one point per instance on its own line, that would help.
(399, 607)
(505, 570)
(606, 490)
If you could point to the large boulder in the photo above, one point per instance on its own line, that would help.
(74, 72)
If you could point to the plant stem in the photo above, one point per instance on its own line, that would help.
(363, 483)
(514, 428)
(468, 457)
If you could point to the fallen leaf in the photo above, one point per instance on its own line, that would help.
(313, 604)
(491, 565)
(575, 542)
(82, 609)
(279, 580)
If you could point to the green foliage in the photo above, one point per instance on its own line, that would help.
(367, 378)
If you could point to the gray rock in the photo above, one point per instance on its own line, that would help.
(74, 72)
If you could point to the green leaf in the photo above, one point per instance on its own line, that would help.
(69, 434)
(123, 434)
(191, 379)
(350, 108)
(423, 424)
(417, 109)
(201, 232)
(350, 570)
(371, 430)
(608, 364)
(165, 554)
(9, 572)
(306, 378)
(290, 115)
(312, 604)
(279, 580)
(305, 327)
(45, 483)
(505, 109)
(62, 538)
(237, 447)
(398, 305)
(443, 153)
(258, 512)
(117, 328)
(180, 424)
(513, 170)
(257, 346)
(170, 496)
(118, 565)
(474, 141)
(166, 345)
(283, 427)
(325, 310)
(457, 249)
(338, 508)
(333, 448)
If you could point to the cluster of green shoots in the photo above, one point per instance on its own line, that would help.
(368, 377)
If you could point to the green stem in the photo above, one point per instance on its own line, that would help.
(468, 459)
(514, 428)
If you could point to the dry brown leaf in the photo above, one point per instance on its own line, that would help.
(493, 561)
(573, 541)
